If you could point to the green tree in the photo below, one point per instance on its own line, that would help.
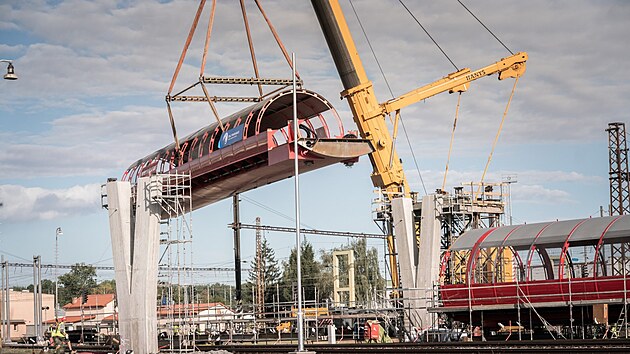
(367, 276)
(106, 287)
(216, 292)
(81, 277)
(270, 270)
(311, 270)
(48, 287)
(177, 294)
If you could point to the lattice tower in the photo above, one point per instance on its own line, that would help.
(260, 271)
(618, 171)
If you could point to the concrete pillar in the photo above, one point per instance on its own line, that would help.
(135, 246)
(402, 220)
(428, 270)
(407, 248)
(419, 264)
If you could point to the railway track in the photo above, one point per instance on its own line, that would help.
(546, 346)
(495, 347)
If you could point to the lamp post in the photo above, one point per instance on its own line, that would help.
(298, 241)
(58, 233)
(509, 180)
(10, 75)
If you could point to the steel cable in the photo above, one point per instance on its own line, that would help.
(413, 155)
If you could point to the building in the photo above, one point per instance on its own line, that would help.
(205, 316)
(21, 313)
(91, 313)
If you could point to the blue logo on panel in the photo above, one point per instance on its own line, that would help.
(231, 136)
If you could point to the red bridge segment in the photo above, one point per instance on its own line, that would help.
(256, 148)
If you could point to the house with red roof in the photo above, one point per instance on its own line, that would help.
(90, 313)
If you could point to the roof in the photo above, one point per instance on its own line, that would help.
(548, 234)
(93, 301)
(72, 319)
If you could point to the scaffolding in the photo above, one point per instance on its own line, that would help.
(472, 206)
(177, 308)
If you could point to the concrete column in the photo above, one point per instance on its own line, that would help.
(402, 220)
(135, 246)
(419, 265)
(119, 210)
(428, 270)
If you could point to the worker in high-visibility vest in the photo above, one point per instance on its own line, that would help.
(60, 338)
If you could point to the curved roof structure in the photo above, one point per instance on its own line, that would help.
(272, 113)
(253, 148)
(548, 234)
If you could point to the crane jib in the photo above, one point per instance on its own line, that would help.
(476, 75)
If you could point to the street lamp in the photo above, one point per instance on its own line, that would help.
(58, 233)
(509, 180)
(10, 75)
(298, 241)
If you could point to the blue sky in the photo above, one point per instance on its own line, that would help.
(93, 75)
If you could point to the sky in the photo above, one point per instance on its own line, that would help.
(93, 75)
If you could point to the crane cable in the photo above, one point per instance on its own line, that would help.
(427, 32)
(450, 146)
(402, 123)
(251, 46)
(191, 33)
(177, 68)
(484, 26)
(496, 138)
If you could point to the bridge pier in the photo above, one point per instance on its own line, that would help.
(135, 230)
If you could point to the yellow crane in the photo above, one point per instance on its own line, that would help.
(370, 115)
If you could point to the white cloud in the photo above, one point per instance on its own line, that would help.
(538, 194)
(93, 76)
(96, 143)
(536, 177)
(23, 203)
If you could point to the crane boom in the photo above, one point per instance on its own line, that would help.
(359, 92)
(510, 67)
(369, 115)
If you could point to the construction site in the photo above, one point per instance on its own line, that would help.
(459, 272)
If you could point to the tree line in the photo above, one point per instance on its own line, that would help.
(279, 279)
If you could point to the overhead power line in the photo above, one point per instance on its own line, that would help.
(163, 268)
(308, 231)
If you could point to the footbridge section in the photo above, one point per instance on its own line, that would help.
(249, 149)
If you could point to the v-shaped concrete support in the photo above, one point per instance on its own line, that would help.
(135, 230)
